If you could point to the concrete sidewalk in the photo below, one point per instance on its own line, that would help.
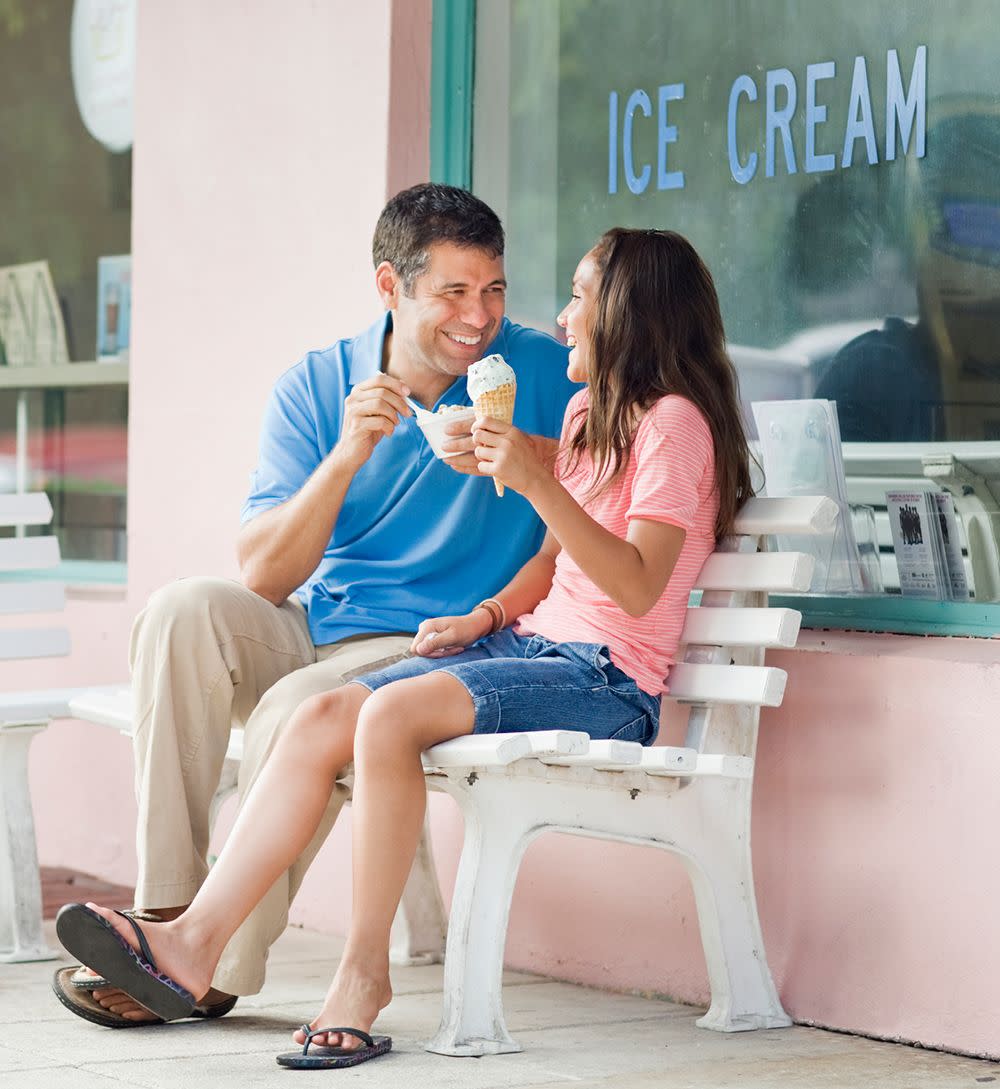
(571, 1036)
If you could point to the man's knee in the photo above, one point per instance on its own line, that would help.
(183, 606)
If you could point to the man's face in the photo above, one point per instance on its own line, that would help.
(454, 311)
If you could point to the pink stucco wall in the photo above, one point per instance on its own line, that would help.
(268, 136)
(875, 817)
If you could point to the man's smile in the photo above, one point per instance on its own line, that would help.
(459, 338)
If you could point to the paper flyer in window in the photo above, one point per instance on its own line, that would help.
(32, 333)
(916, 539)
(957, 579)
(114, 308)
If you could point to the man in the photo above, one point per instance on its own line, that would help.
(352, 534)
(887, 385)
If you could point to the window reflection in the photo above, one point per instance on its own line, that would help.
(65, 200)
(877, 285)
(937, 376)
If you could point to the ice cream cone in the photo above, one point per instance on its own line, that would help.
(499, 404)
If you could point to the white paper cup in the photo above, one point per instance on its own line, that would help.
(433, 425)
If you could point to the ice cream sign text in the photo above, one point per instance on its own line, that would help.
(905, 116)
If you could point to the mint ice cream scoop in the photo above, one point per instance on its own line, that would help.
(489, 374)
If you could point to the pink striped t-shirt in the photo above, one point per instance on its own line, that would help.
(670, 477)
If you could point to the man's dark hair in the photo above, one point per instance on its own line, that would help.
(417, 218)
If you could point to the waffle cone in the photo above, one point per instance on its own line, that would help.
(498, 403)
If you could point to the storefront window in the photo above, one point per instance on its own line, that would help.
(66, 199)
(836, 167)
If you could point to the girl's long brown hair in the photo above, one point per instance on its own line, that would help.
(656, 328)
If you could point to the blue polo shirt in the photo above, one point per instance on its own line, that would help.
(414, 538)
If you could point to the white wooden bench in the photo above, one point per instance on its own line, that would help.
(693, 800)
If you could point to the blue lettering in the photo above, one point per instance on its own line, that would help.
(613, 142)
(776, 119)
(741, 172)
(859, 117)
(816, 115)
(667, 134)
(905, 109)
(638, 100)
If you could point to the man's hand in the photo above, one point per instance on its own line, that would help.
(448, 635)
(459, 438)
(371, 411)
(466, 462)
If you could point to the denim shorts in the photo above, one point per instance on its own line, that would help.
(527, 682)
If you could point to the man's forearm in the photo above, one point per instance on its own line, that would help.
(279, 549)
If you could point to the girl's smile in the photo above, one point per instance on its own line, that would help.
(575, 318)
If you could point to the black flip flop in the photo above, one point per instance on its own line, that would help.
(333, 1058)
(97, 944)
(87, 982)
(79, 1000)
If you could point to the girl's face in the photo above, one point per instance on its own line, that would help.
(575, 318)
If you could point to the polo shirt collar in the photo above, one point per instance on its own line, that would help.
(366, 359)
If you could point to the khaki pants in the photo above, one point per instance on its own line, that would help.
(207, 654)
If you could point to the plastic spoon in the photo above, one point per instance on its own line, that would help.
(419, 410)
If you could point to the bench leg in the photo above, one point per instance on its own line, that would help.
(743, 993)
(21, 937)
(473, 1022)
(418, 931)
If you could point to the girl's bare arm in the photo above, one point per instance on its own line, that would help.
(633, 572)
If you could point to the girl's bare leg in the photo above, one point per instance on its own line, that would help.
(281, 814)
(395, 725)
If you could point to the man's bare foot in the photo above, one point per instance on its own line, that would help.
(356, 997)
(110, 998)
(174, 955)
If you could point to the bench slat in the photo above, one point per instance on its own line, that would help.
(736, 627)
(38, 706)
(566, 742)
(759, 686)
(31, 597)
(34, 643)
(28, 553)
(793, 514)
(777, 572)
(106, 706)
(668, 760)
(601, 754)
(726, 764)
(478, 750)
(25, 509)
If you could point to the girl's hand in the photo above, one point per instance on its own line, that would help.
(448, 635)
(508, 454)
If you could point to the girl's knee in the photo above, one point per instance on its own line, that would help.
(412, 714)
(386, 719)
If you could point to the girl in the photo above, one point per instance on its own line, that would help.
(653, 466)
